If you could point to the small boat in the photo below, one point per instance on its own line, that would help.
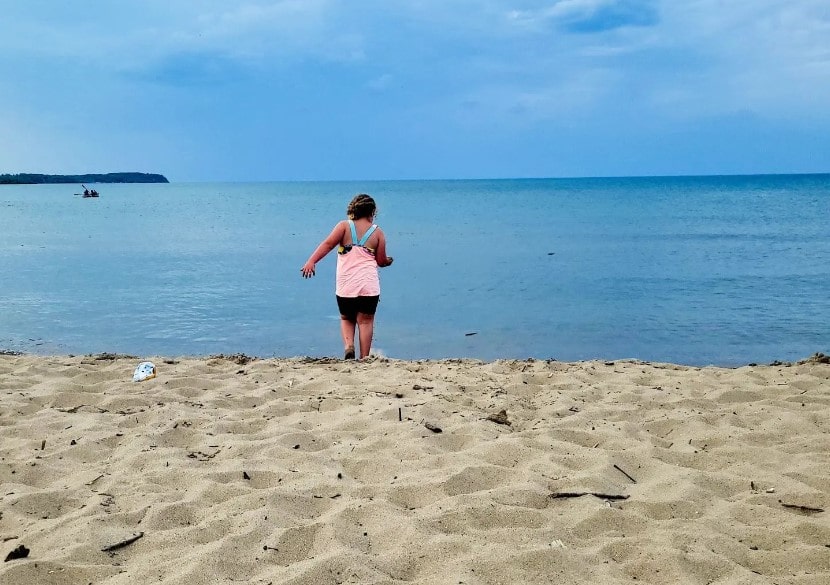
(89, 192)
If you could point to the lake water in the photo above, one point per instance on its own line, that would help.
(692, 270)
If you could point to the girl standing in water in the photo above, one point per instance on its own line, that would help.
(362, 249)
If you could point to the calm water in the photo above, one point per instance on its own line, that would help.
(698, 270)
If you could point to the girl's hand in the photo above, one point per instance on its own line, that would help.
(388, 262)
(308, 269)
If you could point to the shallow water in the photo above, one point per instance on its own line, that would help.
(693, 270)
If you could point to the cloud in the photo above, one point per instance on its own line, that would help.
(764, 56)
(139, 34)
(187, 70)
(590, 16)
(271, 29)
(603, 15)
(563, 101)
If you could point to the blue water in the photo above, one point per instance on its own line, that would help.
(693, 270)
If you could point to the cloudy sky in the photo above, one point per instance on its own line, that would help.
(213, 90)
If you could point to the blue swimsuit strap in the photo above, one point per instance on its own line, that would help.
(362, 241)
(354, 233)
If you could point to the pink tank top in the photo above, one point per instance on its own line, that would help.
(357, 267)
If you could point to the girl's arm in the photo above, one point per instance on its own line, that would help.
(326, 246)
(380, 252)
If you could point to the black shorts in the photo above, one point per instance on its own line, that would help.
(351, 306)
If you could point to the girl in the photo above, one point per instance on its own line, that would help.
(362, 248)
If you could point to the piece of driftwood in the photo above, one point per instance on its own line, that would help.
(500, 418)
(433, 427)
(21, 552)
(558, 495)
(94, 480)
(621, 470)
(809, 509)
(122, 543)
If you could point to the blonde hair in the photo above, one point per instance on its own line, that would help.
(361, 206)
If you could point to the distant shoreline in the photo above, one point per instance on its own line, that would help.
(42, 179)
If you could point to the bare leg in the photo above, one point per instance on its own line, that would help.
(366, 329)
(347, 329)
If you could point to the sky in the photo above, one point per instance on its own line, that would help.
(223, 90)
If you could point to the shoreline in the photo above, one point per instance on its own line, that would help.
(815, 358)
(314, 470)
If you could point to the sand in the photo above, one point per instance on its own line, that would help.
(302, 471)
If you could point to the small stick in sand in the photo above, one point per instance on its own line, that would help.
(123, 543)
(808, 509)
(94, 480)
(602, 496)
(433, 428)
(621, 470)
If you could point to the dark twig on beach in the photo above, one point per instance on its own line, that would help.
(557, 495)
(94, 480)
(621, 470)
(75, 409)
(203, 456)
(808, 509)
(122, 543)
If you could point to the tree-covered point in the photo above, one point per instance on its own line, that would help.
(36, 178)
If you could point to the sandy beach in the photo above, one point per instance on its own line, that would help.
(317, 471)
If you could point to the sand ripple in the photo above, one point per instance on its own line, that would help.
(321, 472)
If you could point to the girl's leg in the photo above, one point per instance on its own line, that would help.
(366, 329)
(347, 329)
